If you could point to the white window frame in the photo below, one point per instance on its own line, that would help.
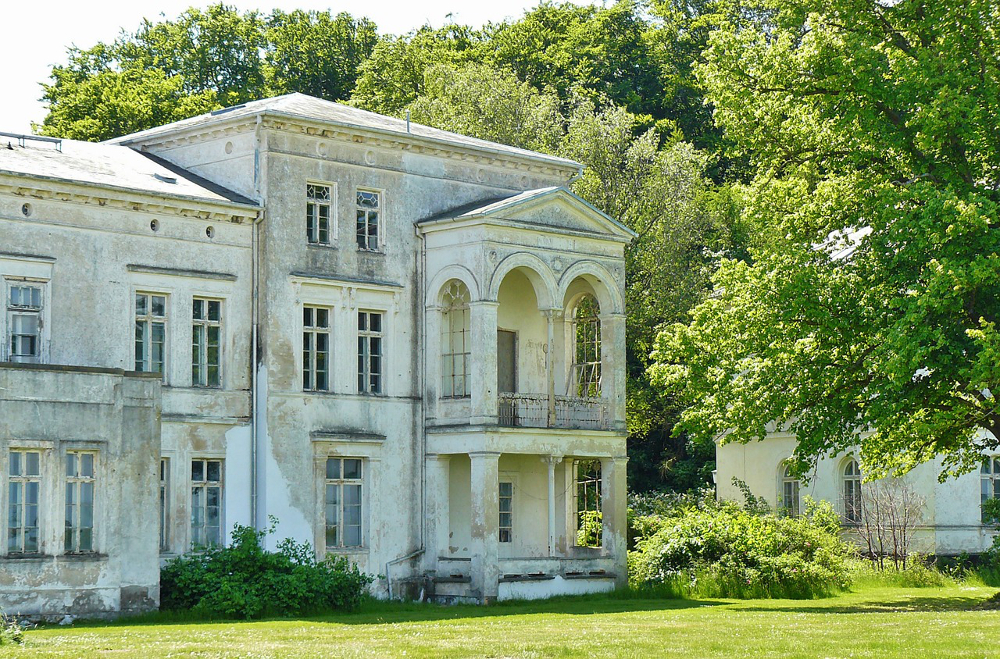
(314, 206)
(338, 482)
(41, 312)
(367, 384)
(989, 479)
(379, 221)
(23, 480)
(456, 341)
(76, 482)
(789, 498)
(200, 328)
(310, 353)
(850, 484)
(204, 485)
(589, 484)
(149, 319)
(586, 375)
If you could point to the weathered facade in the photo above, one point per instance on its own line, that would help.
(405, 345)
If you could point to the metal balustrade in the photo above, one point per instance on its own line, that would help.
(532, 411)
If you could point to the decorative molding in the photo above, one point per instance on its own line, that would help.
(178, 272)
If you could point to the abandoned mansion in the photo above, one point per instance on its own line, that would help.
(405, 345)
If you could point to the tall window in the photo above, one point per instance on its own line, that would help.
(367, 208)
(315, 348)
(206, 502)
(24, 318)
(23, 488)
(80, 484)
(343, 502)
(852, 492)
(164, 504)
(206, 339)
(369, 352)
(990, 479)
(506, 511)
(456, 342)
(150, 332)
(588, 502)
(789, 492)
(587, 349)
(318, 214)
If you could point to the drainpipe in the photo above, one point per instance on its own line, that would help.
(254, 339)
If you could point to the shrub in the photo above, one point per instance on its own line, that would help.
(244, 580)
(11, 633)
(723, 550)
(589, 533)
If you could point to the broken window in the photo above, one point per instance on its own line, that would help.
(367, 210)
(206, 343)
(369, 352)
(343, 502)
(456, 340)
(24, 318)
(150, 332)
(24, 485)
(206, 503)
(80, 483)
(506, 511)
(318, 205)
(588, 502)
(315, 348)
(852, 492)
(164, 504)
(586, 372)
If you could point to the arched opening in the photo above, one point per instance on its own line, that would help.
(456, 340)
(585, 369)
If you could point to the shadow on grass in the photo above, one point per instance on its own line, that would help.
(900, 605)
(375, 612)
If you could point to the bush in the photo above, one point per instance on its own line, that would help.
(11, 633)
(246, 581)
(722, 550)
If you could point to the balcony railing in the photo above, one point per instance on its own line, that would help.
(532, 411)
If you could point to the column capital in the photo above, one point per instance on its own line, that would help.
(484, 454)
(552, 459)
(552, 314)
(616, 459)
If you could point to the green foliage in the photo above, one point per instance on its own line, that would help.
(871, 299)
(589, 532)
(11, 632)
(246, 581)
(991, 511)
(724, 550)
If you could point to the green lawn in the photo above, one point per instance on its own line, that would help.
(880, 623)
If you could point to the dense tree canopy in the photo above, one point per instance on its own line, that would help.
(872, 302)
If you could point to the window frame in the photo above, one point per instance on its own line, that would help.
(366, 356)
(205, 484)
(379, 221)
(785, 479)
(596, 485)
(989, 478)
(313, 233)
(586, 375)
(73, 528)
(149, 318)
(340, 482)
(851, 490)
(450, 352)
(509, 527)
(309, 355)
(23, 479)
(40, 313)
(164, 503)
(202, 326)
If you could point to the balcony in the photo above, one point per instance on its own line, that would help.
(532, 411)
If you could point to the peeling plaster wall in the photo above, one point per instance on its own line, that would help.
(950, 522)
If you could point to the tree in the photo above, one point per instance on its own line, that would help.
(872, 299)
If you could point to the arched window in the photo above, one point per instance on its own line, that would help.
(586, 371)
(789, 492)
(852, 492)
(990, 480)
(456, 341)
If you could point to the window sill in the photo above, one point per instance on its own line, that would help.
(361, 250)
(322, 245)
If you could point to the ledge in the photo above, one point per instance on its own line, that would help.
(305, 277)
(346, 436)
(178, 272)
(93, 370)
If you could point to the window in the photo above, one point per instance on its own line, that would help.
(23, 489)
(343, 502)
(24, 318)
(206, 503)
(789, 499)
(79, 502)
(164, 504)
(506, 511)
(206, 343)
(990, 480)
(852, 492)
(588, 502)
(587, 349)
(456, 340)
(318, 214)
(369, 352)
(367, 207)
(150, 332)
(315, 348)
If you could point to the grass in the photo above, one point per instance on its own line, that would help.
(877, 622)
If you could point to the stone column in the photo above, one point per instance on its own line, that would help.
(483, 320)
(613, 368)
(438, 519)
(614, 506)
(485, 525)
(551, 317)
(551, 461)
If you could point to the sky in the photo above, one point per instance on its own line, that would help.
(37, 33)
